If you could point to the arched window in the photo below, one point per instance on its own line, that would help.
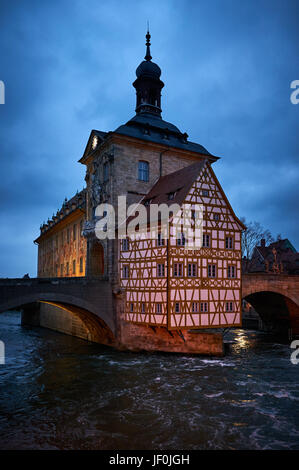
(143, 171)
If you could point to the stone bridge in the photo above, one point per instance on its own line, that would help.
(88, 299)
(275, 297)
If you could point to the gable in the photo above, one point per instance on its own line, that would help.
(94, 137)
(206, 190)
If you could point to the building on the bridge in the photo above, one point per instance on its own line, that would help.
(167, 284)
(145, 155)
(279, 257)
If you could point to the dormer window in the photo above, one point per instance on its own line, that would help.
(143, 171)
(171, 195)
(146, 130)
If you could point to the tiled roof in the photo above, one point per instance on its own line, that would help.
(78, 201)
(177, 184)
(154, 129)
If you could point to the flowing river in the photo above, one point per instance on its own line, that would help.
(60, 392)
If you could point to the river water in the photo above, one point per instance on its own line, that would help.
(60, 392)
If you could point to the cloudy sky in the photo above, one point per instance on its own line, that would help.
(68, 66)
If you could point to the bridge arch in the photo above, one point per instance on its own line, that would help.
(81, 301)
(91, 326)
(59, 299)
(268, 292)
(277, 311)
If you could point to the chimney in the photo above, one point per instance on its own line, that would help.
(263, 242)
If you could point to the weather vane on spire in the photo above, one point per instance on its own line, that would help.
(148, 36)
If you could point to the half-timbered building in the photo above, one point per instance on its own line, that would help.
(168, 284)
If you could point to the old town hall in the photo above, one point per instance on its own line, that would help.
(162, 292)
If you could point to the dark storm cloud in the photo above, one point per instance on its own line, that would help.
(68, 68)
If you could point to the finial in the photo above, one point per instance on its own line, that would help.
(148, 52)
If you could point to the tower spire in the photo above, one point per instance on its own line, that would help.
(148, 84)
(148, 51)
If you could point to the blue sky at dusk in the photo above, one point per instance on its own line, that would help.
(68, 67)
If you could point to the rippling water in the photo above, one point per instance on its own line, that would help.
(59, 392)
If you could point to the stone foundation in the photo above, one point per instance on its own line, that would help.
(144, 338)
(75, 322)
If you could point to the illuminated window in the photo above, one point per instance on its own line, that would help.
(143, 171)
